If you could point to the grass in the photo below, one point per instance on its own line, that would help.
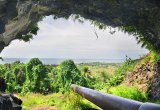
(97, 68)
(129, 92)
(100, 72)
(31, 100)
(72, 101)
(68, 101)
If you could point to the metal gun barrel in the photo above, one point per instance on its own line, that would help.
(111, 102)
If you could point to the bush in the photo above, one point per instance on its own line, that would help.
(35, 77)
(129, 92)
(157, 57)
(73, 101)
(120, 73)
(85, 69)
(67, 74)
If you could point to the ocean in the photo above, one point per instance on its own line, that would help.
(56, 61)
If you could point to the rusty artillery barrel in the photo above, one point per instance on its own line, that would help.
(111, 102)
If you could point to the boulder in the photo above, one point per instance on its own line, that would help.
(10, 102)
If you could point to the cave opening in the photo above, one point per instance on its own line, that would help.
(20, 20)
(73, 39)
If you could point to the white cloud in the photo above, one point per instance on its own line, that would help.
(68, 39)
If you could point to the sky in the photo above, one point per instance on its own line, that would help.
(63, 38)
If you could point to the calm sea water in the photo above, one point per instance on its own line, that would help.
(58, 61)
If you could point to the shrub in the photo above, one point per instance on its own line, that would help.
(129, 92)
(157, 57)
(85, 69)
(104, 76)
(35, 77)
(67, 74)
(120, 73)
(73, 101)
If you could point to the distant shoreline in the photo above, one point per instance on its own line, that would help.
(56, 61)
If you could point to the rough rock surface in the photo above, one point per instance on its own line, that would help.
(154, 88)
(146, 78)
(18, 16)
(9, 102)
(142, 76)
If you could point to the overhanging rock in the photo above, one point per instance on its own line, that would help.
(139, 16)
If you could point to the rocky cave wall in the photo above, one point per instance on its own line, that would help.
(145, 77)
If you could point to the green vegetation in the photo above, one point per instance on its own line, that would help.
(120, 73)
(71, 101)
(36, 77)
(41, 85)
(129, 92)
(33, 31)
(67, 74)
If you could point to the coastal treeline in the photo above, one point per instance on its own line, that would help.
(36, 77)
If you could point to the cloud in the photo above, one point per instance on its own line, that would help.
(68, 39)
